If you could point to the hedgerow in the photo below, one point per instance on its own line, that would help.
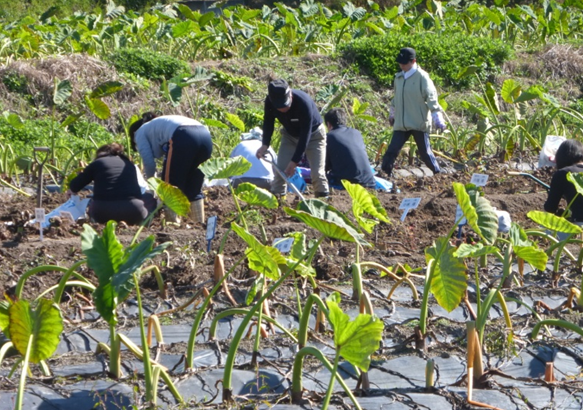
(443, 55)
(148, 64)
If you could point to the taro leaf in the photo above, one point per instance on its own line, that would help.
(577, 180)
(98, 108)
(70, 120)
(63, 90)
(210, 122)
(218, 168)
(13, 119)
(113, 11)
(299, 247)
(326, 219)
(533, 255)
(44, 323)
(364, 201)
(170, 195)
(105, 89)
(49, 13)
(492, 98)
(467, 71)
(235, 121)
(183, 28)
(104, 255)
(262, 258)
(254, 195)
(448, 283)
(553, 222)
(355, 340)
(510, 91)
(135, 257)
(517, 236)
(474, 251)
(478, 212)
(186, 12)
(4, 321)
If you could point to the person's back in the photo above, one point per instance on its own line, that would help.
(346, 156)
(114, 178)
(260, 173)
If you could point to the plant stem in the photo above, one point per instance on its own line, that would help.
(150, 388)
(332, 378)
(22, 382)
(114, 353)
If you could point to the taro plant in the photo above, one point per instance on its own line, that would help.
(354, 340)
(446, 268)
(34, 330)
(117, 269)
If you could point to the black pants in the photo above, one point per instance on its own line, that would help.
(189, 147)
(131, 211)
(399, 139)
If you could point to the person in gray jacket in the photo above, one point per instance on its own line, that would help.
(413, 108)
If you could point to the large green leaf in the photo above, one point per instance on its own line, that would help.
(105, 89)
(171, 196)
(13, 119)
(217, 168)
(235, 121)
(517, 236)
(478, 212)
(98, 108)
(355, 340)
(44, 323)
(554, 222)
(186, 12)
(262, 258)
(473, 251)
(63, 90)
(577, 180)
(510, 91)
(136, 256)
(326, 219)
(533, 255)
(4, 319)
(365, 201)
(448, 283)
(256, 196)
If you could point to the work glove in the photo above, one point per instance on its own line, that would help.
(438, 121)
(392, 116)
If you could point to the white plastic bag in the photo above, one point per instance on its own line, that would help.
(74, 205)
(549, 150)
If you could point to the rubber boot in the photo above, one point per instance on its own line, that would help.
(197, 211)
(171, 216)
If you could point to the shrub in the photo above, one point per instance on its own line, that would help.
(148, 64)
(443, 55)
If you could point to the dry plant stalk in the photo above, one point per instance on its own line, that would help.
(474, 358)
(550, 372)
(219, 273)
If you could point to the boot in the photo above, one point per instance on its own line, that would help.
(197, 211)
(171, 216)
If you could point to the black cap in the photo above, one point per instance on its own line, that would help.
(406, 55)
(279, 93)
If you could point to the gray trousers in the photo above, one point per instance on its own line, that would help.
(316, 154)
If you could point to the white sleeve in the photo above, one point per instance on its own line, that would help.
(147, 153)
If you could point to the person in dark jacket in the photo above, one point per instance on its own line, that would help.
(346, 156)
(569, 158)
(302, 131)
(117, 196)
(184, 143)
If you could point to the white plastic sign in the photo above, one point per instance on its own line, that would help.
(407, 204)
(479, 179)
(211, 225)
(284, 245)
(460, 214)
(39, 216)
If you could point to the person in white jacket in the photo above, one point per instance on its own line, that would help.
(185, 144)
(413, 109)
(261, 173)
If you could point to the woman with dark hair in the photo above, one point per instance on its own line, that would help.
(117, 194)
(569, 158)
(185, 144)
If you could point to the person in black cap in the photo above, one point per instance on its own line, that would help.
(302, 131)
(413, 108)
(346, 156)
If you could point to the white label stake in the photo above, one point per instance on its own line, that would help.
(407, 204)
(39, 216)
(479, 179)
(460, 214)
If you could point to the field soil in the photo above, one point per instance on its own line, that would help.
(187, 266)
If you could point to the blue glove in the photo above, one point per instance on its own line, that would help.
(438, 121)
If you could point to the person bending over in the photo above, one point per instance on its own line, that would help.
(302, 131)
(260, 174)
(117, 195)
(413, 108)
(569, 158)
(346, 156)
(185, 144)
